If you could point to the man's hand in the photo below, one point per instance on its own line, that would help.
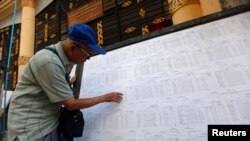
(112, 97)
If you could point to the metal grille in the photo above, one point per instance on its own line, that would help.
(122, 19)
(4, 45)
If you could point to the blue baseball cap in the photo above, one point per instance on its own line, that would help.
(84, 34)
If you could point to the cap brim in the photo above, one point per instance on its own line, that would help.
(97, 49)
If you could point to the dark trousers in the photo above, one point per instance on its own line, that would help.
(52, 136)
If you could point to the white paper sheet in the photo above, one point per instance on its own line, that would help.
(173, 85)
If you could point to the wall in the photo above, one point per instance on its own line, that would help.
(41, 4)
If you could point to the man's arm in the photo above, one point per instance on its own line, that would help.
(74, 104)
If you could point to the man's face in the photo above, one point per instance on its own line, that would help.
(80, 53)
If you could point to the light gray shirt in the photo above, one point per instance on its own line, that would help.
(36, 101)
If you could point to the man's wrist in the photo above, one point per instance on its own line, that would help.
(101, 99)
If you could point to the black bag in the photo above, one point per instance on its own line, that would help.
(71, 123)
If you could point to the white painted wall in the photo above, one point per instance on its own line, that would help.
(41, 4)
(8, 20)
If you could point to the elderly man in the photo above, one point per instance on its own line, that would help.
(43, 88)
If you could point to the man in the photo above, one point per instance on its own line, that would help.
(43, 89)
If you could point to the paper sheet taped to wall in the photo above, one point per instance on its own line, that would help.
(174, 85)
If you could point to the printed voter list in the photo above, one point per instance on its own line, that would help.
(174, 85)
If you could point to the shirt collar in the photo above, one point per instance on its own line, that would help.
(63, 56)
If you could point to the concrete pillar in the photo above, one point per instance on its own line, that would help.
(210, 6)
(27, 38)
(184, 10)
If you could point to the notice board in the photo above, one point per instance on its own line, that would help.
(174, 85)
